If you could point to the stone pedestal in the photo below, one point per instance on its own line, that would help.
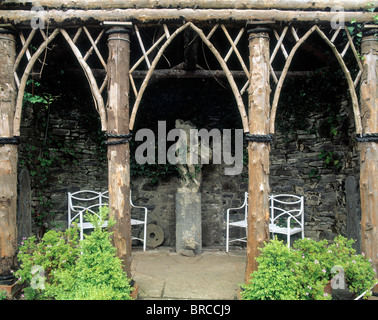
(188, 223)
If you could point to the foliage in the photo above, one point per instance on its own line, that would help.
(57, 250)
(3, 295)
(355, 28)
(359, 274)
(155, 172)
(303, 271)
(51, 152)
(274, 279)
(74, 270)
(329, 159)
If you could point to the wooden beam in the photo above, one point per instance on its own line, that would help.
(205, 4)
(369, 150)
(119, 154)
(258, 152)
(8, 157)
(195, 74)
(22, 18)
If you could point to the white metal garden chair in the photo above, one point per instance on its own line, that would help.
(286, 217)
(239, 223)
(81, 202)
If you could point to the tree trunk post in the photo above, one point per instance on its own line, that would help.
(8, 155)
(258, 146)
(369, 147)
(118, 135)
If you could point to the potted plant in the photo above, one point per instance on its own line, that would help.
(304, 271)
(337, 262)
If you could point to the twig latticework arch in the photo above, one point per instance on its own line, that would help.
(352, 83)
(21, 84)
(165, 40)
(96, 91)
(169, 37)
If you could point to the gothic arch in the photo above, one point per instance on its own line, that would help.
(221, 61)
(96, 92)
(339, 57)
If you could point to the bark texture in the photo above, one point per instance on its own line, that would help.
(8, 156)
(119, 154)
(218, 4)
(258, 152)
(369, 150)
(73, 17)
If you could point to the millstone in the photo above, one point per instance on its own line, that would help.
(155, 235)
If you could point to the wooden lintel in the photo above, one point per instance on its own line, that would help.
(204, 4)
(185, 74)
(23, 18)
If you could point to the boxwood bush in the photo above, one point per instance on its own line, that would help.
(63, 268)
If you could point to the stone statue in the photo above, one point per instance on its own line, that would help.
(191, 172)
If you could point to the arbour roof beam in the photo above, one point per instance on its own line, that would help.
(77, 17)
(195, 4)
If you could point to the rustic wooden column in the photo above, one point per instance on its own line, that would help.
(258, 146)
(118, 136)
(8, 155)
(369, 147)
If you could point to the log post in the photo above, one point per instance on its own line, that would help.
(8, 155)
(258, 146)
(369, 147)
(118, 136)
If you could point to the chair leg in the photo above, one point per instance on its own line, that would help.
(144, 238)
(288, 240)
(227, 235)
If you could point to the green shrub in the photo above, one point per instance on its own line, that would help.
(39, 261)
(274, 279)
(3, 295)
(88, 270)
(303, 271)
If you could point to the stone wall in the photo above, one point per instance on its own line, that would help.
(295, 168)
(77, 162)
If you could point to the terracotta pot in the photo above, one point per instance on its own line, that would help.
(328, 288)
(134, 294)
